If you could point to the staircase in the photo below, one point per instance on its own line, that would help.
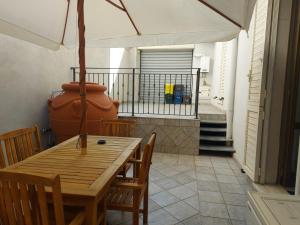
(213, 137)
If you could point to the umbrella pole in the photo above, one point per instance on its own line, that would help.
(81, 29)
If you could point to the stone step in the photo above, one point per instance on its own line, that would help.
(214, 138)
(213, 129)
(213, 121)
(216, 148)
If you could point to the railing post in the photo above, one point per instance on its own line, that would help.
(74, 74)
(133, 90)
(197, 93)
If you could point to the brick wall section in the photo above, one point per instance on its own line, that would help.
(178, 136)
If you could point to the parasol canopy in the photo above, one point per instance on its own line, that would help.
(121, 23)
(126, 23)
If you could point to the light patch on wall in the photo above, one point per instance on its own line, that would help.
(116, 55)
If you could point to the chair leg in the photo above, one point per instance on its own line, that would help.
(124, 172)
(145, 207)
(135, 218)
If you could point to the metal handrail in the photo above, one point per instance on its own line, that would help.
(150, 99)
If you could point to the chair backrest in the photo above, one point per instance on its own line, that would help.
(118, 128)
(146, 160)
(19, 144)
(23, 199)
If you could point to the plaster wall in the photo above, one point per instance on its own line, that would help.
(241, 95)
(224, 71)
(28, 76)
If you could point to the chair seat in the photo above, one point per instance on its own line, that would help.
(119, 196)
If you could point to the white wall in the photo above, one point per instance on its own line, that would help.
(204, 49)
(241, 95)
(215, 90)
(28, 75)
(225, 63)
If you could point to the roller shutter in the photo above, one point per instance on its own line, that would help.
(159, 67)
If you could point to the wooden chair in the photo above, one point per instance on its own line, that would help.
(19, 144)
(126, 194)
(23, 200)
(119, 128)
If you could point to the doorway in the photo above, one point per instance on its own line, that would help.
(290, 130)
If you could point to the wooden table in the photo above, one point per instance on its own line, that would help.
(84, 178)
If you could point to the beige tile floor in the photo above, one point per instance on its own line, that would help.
(190, 190)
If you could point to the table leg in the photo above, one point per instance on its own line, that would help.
(91, 212)
(136, 166)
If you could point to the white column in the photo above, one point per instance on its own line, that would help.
(230, 87)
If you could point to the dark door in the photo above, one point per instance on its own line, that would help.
(290, 129)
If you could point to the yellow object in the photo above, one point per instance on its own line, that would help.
(169, 89)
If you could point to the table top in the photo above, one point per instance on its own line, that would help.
(84, 175)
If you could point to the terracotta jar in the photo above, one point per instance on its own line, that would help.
(64, 110)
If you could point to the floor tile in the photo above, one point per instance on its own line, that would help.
(152, 205)
(167, 183)
(235, 199)
(182, 192)
(183, 178)
(194, 220)
(223, 171)
(231, 188)
(234, 165)
(207, 185)
(210, 196)
(161, 217)
(164, 198)
(115, 217)
(157, 165)
(193, 201)
(155, 175)
(227, 179)
(213, 210)
(203, 163)
(154, 189)
(238, 222)
(200, 190)
(192, 174)
(168, 171)
(247, 187)
(206, 177)
(237, 212)
(202, 220)
(205, 170)
(192, 185)
(221, 165)
(238, 172)
(184, 168)
(216, 159)
(181, 210)
(244, 180)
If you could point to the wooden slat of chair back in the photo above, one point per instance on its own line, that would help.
(118, 128)
(19, 144)
(146, 160)
(23, 199)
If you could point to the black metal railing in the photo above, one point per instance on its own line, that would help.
(173, 91)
